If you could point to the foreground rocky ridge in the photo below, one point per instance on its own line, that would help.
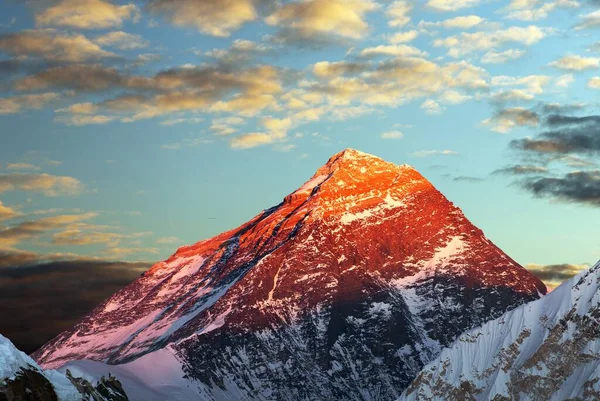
(343, 291)
(548, 349)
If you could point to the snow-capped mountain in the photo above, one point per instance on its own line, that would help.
(546, 350)
(342, 291)
(21, 379)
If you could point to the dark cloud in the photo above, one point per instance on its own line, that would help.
(577, 186)
(463, 178)
(52, 46)
(557, 108)
(40, 301)
(557, 120)
(554, 275)
(572, 135)
(520, 169)
(82, 77)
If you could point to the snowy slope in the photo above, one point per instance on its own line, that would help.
(156, 376)
(548, 349)
(342, 291)
(13, 362)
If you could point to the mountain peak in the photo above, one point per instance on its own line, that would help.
(355, 159)
(352, 180)
(365, 268)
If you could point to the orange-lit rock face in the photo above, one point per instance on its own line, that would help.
(365, 259)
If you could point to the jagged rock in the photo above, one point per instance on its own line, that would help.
(107, 389)
(28, 384)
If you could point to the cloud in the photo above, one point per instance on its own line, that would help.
(392, 135)
(427, 153)
(493, 57)
(187, 143)
(240, 51)
(53, 46)
(400, 50)
(594, 83)
(245, 90)
(504, 120)
(211, 17)
(403, 37)
(466, 42)
(589, 21)
(122, 40)
(451, 5)
(461, 22)
(169, 240)
(453, 97)
(38, 301)
(50, 185)
(326, 69)
(576, 63)
(431, 107)
(532, 10)
(533, 84)
(578, 186)
(11, 236)
(276, 132)
(569, 135)
(86, 14)
(564, 81)
(521, 170)
(8, 213)
(15, 104)
(468, 179)
(554, 275)
(398, 13)
(81, 77)
(21, 166)
(321, 19)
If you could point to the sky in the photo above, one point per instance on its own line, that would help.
(131, 128)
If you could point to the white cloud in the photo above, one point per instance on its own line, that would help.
(86, 14)
(462, 22)
(50, 185)
(427, 153)
(431, 107)
(392, 135)
(122, 40)
(589, 21)
(465, 43)
(398, 13)
(212, 17)
(312, 19)
(451, 5)
(403, 37)
(392, 50)
(453, 97)
(493, 57)
(594, 83)
(576, 63)
(564, 81)
(533, 10)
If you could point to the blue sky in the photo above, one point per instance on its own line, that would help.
(129, 129)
